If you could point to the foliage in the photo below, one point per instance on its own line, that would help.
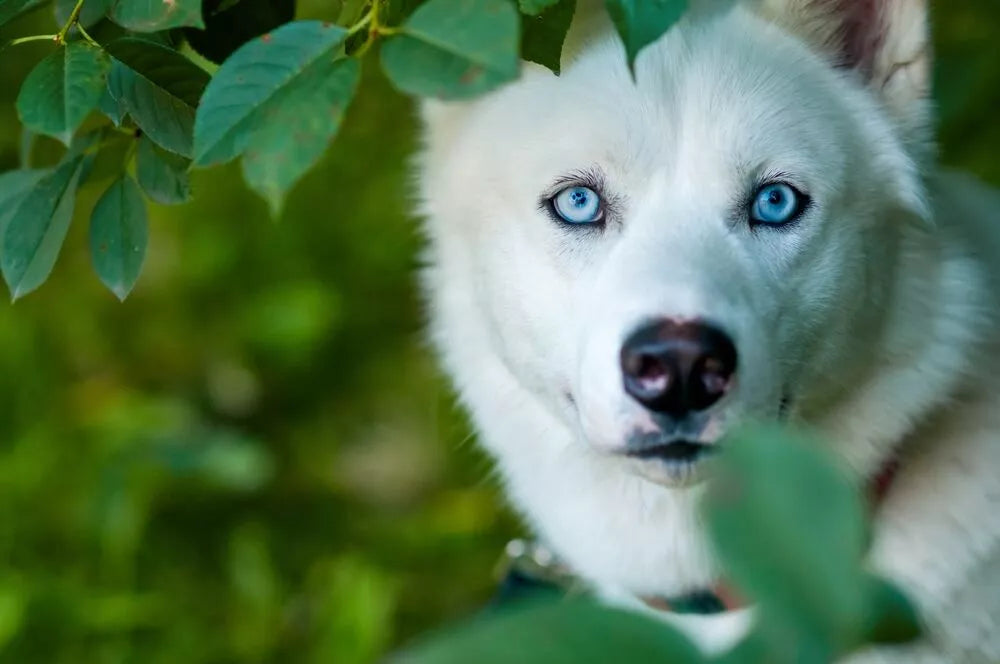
(788, 526)
(254, 460)
(279, 96)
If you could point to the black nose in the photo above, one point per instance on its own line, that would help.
(676, 367)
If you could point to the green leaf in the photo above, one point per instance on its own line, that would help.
(159, 88)
(769, 486)
(534, 7)
(641, 22)
(542, 35)
(228, 28)
(11, 9)
(14, 186)
(890, 617)
(92, 11)
(566, 631)
(118, 236)
(37, 228)
(155, 15)
(278, 101)
(62, 89)
(454, 49)
(112, 108)
(162, 175)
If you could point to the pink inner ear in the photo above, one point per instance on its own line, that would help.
(861, 32)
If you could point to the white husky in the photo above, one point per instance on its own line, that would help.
(754, 228)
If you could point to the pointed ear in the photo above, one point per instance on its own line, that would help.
(885, 41)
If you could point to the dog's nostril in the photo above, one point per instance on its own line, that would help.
(677, 367)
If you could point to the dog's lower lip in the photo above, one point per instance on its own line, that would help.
(674, 451)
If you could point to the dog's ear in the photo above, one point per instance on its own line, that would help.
(885, 41)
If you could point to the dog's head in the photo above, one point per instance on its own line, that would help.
(657, 260)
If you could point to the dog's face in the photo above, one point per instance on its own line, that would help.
(660, 259)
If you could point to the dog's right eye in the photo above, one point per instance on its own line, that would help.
(578, 205)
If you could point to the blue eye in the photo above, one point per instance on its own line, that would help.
(776, 204)
(578, 205)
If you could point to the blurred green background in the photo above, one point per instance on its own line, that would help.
(254, 459)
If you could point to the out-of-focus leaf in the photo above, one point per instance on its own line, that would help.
(767, 484)
(118, 236)
(162, 175)
(10, 9)
(890, 616)
(155, 15)
(278, 101)
(570, 631)
(159, 88)
(12, 610)
(641, 22)
(226, 29)
(534, 7)
(62, 89)
(454, 49)
(543, 33)
(37, 228)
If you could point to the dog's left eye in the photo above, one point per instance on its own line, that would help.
(776, 204)
(578, 205)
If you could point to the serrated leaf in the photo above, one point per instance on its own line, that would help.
(542, 35)
(641, 22)
(159, 88)
(567, 631)
(162, 175)
(155, 15)
(118, 236)
(62, 89)
(534, 7)
(11, 9)
(14, 186)
(454, 49)
(37, 228)
(92, 11)
(768, 483)
(228, 28)
(279, 101)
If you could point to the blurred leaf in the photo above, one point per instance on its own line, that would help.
(254, 627)
(12, 610)
(535, 7)
(279, 101)
(454, 49)
(768, 484)
(37, 228)
(159, 88)
(118, 236)
(10, 9)
(14, 186)
(62, 89)
(92, 11)
(162, 175)
(574, 632)
(891, 617)
(155, 15)
(641, 22)
(543, 34)
(228, 28)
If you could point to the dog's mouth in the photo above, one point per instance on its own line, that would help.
(675, 451)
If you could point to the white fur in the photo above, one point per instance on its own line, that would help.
(876, 313)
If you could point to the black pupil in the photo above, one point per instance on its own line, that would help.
(775, 197)
(579, 198)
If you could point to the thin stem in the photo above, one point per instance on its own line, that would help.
(365, 20)
(32, 38)
(74, 17)
(86, 36)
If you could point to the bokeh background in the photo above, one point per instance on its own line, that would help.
(254, 459)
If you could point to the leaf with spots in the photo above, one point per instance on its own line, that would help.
(454, 49)
(641, 22)
(118, 236)
(37, 227)
(278, 101)
(159, 88)
(62, 89)
(155, 15)
(543, 34)
(228, 28)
